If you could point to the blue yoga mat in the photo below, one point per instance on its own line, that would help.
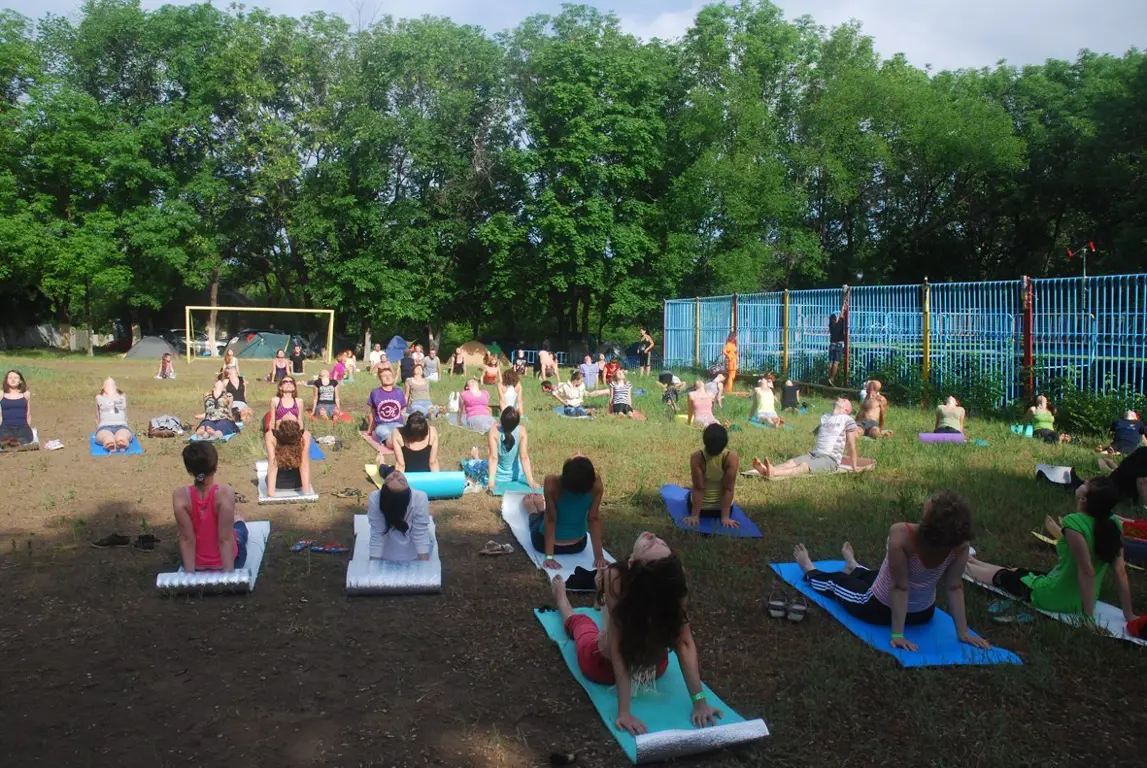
(560, 410)
(767, 425)
(936, 640)
(98, 450)
(664, 710)
(674, 497)
(316, 453)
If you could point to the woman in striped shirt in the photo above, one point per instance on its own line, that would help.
(903, 592)
(621, 397)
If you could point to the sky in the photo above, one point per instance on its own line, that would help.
(946, 34)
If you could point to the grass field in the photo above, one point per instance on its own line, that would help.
(99, 670)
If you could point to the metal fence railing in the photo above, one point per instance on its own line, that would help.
(1004, 338)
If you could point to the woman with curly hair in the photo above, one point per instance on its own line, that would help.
(645, 614)
(288, 447)
(218, 417)
(903, 592)
(510, 391)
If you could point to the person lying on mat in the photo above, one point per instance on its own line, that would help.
(288, 447)
(326, 403)
(1089, 543)
(950, 417)
(236, 386)
(166, 367)
(621, 397)
(285, 404)
(417, 391)
(510, 391)
(903, 592)
(716, 388)
(790, 396)
(573, 393)
(475, 413)
(415, 445)
(765, 402)
(212, 534)
(399, 518)
(384, 407)
(566, 512)
(280, 366)
(836, 434)
(701, 406)
(218, 418)
(509, 453)
(873, 411)
(714, 473)
(1127, 434)
(15, 412)
(644, 614)
(112, 431)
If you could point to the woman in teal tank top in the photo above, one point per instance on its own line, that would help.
(509, 456)
(569, 510)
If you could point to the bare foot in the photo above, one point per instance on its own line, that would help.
(800, 554)
(768, 469)
(558, 587)
(849, 557)
(759, 466)
(474, 453)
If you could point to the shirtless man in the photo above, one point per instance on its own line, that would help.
(547, 364)
(873, 409)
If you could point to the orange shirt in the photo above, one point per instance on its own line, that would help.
(730, 353)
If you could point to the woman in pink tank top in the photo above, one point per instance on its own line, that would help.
(903, 592)
(701, 406)
(212, 535)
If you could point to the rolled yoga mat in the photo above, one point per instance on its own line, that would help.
(382, 577)
(216, 582)
(665, 710)
(436, 485)
(941, 437)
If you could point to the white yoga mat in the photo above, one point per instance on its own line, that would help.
(1107, 615)
(380, 577)
(281, 496)
(519, 522)
(239, 580)
(843, 469)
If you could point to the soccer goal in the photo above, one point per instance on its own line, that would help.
(189, 338)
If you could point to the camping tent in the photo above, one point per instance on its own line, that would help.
(395, 349)
(474, 353)
(263, 344)
(150, 348)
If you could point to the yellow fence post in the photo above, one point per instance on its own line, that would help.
(330, 336)
(696, 333)
(785, 337)
(187, 332)
(926, 363)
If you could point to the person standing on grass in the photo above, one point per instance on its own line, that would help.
(730, 355)
(713, 470)
(903, 592)
(212, 534)
(112, 431)
(644, 614)
(950, 417)
(15, 412)
(835, 435)
(836, 334)
(873, 410)
(508, 445)
(645, 353)
(1088, 544)
(384, 407)
(297, 359)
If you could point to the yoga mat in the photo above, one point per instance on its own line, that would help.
(674, 497)
(1057, 475)
(32, 446)
(133, 448)
(665, 710)
(377, 445)
(380, 577)
(239, 580)
(197, 439)
(843, 469)
(519, 522)
(941, 437)
(767, 425)
(513, 486)
(316, 452)
(436, 485)
(936, 640)
(1022, 430)
(1107, 615)
(1132, 548)
(560, 410)
(281, 496)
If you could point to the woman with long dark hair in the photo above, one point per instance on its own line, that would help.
(415, 445)
(399, 518)
(509, 454)
(645, 614)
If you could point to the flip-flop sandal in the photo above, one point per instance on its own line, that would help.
(332, 548)
(493, 548)
(1018, 617)
(240, 498)
(348, 493)
(997, 607)
(797, 610)
(302, 544)
(777, 607)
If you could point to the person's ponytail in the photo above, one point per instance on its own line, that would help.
(510, 420)
(1100, 497)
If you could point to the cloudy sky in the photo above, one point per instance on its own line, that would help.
(944, 33)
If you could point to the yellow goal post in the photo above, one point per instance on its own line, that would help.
(187, 310)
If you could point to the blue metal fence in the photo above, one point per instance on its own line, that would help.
(1082, 333)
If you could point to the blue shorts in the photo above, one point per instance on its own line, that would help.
(422, 406)
(836, 352)
(382, 432)
(241, 536)
(574, 410)
(327, 409)
(113, 428)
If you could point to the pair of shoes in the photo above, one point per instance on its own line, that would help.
(794, 610)
(348, 493)
(330, 548)
(112, 541)
(145, 542)
(493, 548)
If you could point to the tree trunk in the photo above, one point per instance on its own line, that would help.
(474, 327)
(559, 312)
(366, 346)
(88, 316)
(433, 337)
(585, 302)
(214, 316)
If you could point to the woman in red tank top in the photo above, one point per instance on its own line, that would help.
(212, 535)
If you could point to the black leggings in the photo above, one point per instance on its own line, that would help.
(854, 592)
(1047, 435)
(704, 512)
(538, 537)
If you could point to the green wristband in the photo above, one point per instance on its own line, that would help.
(549, 557)
(897, 635)
(699, 696)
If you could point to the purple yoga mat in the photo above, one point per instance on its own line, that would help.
(941, 437)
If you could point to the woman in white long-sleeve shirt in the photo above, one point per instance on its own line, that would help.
(399, 518)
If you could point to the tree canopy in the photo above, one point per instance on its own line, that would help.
(559, 179)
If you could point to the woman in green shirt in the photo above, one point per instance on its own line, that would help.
(1042, 419)
(1090, 544)
(950, 417)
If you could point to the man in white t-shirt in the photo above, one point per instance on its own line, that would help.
(836, 434)
(375, 357)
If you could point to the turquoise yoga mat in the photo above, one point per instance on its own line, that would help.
(438, 485)
(514, 486)
(665, 710)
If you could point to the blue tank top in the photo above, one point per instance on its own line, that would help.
(509, 469)
(573, 508)
(14, 411)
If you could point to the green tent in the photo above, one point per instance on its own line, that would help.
(264, 345)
